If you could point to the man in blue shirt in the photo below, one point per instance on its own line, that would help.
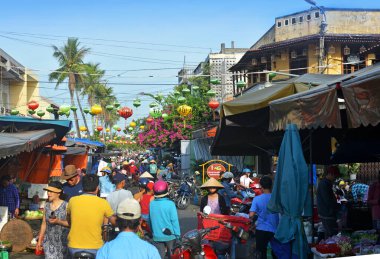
(162, 215)
(73, 185)
(9, 196)
(227, 192)
(127, 244)
(266, 222)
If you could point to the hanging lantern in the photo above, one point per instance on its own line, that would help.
(86, 110)
(346, 51)
(149, 120)
(195, 88)
(293, 54)
(64, 108)
(130, 129)
(132, 124)
(116, 104)
(108, 130)
(109, 107)
(73, 108)
(115, 127)
(67, 113)
(137, 103)
(184, 111)
(118, 129)
(181, 100)
(215, 81)
(176, 93)
(96, 109)
(33, 105)
(99, 128)
(31, 112)
(272, 75)
(60, 113)
(155, 112)
(165, 116)
(213, 104)
(142, 127)
(240, 84)
(50, 109)
(151, 105)
(331, 49)
(211, 93)
(14, 112)
(40, 113)
(125, 112)
(82, 128)
(186, 91)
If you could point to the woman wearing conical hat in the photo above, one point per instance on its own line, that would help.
(213, 199)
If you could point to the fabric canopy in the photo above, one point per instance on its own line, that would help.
(84, 142)
(319, 107)
(14, 143)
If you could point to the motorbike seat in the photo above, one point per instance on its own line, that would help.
(84, 255)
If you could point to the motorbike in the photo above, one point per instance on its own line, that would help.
(84, 255)
(184, 193)
(190, 245)
(242, 205)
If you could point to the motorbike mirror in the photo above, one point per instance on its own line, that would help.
(207, 210)
(166, 231)
(254, 175)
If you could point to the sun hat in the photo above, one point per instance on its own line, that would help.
(342, 183)
(131, 161)
(117, 178)
(129, 209)
(54, 189)
(152, 161)
(106, 170)
(125, 163)
(144, 161)
(246, 170)
(212, 183)
(69, 172)
(146, 175)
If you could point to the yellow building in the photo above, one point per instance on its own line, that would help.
(328, 40)
(18, 86)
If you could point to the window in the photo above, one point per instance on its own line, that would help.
(294, 21)
(279, 24)
(300, 19)
(286, 22)
(316, 15)
(308, 17)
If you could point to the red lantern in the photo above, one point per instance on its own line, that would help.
(33, 105)
(99, 128)
(149, 120)
(213, 104)
(125, 112)
(118, 129)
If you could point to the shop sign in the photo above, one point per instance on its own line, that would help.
(214, 170)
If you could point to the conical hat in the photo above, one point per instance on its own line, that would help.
(212, 182)
(146, 175)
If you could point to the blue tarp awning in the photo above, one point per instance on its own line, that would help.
(18, 124)
(85, 142)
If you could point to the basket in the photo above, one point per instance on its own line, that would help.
(222, 234)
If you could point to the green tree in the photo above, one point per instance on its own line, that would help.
(70, 59)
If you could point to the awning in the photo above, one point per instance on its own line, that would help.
(83, 142)
(14, 143)
(319, 107)
(18, 123)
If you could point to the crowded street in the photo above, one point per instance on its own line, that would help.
(195, 129)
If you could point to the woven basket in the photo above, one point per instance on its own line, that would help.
(19, 233)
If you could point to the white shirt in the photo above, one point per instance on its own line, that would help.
(114, 198)
(245, 181)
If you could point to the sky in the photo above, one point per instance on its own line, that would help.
(131, 38)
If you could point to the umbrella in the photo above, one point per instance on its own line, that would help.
(290, 192)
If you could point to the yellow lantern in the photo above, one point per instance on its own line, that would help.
(184, 111)
(96, 109)
(82, 128)
(132, 124)
(107, 129)
(142, 127)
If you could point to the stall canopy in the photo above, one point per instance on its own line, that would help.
(355, 96)
(14, 143)
(83, 142)
(18, 124)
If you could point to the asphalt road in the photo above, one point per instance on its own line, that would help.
(187, 220)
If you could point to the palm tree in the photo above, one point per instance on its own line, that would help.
(70, 58)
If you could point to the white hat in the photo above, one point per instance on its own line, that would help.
(129, 209)
(146, 175)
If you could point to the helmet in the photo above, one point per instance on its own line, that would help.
(106, 170)
(246, 170)
(160, 189)
(228, 175)
(143, 182)
(342, 183)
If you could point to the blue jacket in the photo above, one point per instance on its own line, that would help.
(227, 193)
(163, 214)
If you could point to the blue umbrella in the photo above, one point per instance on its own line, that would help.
(290, 192)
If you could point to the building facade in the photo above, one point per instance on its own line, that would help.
(18, 86)
(319, 40)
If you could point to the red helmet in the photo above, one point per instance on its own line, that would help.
(160, 189)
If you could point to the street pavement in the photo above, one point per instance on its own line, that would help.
(187, 221)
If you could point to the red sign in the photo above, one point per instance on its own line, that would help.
(214, 170)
